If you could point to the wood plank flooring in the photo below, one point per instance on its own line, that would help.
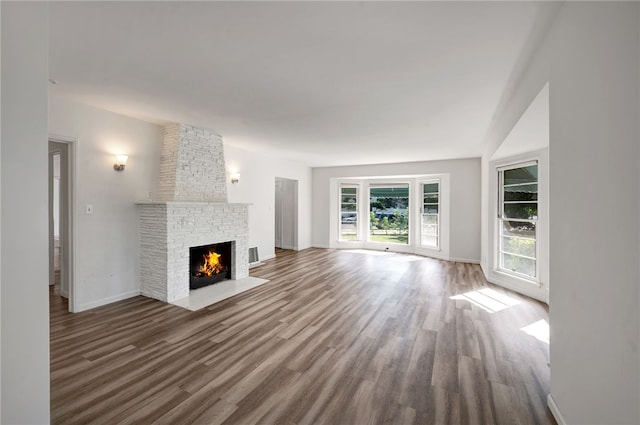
(335, 337)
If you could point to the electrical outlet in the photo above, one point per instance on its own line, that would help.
(88, 209)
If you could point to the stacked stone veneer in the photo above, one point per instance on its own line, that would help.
(192, 165)
(168, 230)
(192, 211)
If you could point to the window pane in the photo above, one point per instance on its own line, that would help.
(349, 231)
(521, 175)
(348, 207)
(527, 192)
(523, 210)
(388, 214)
(429, 240)
(514, 245)
(519, 264)
(518, 226)
(431, 198)
(431, 209)
(430, 188)
(525, 229)
(429, 219)
(348, 213)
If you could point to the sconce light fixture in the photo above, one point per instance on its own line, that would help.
(235, 178)
(121, 161)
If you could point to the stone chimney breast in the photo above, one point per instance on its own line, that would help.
(192, 167)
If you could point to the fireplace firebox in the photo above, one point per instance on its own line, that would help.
(209, 264)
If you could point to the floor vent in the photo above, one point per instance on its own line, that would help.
(253, 256)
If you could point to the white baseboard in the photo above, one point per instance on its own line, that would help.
(320, 246)
(108, 300)
(268, 257)
(555, 411)
(464, 260)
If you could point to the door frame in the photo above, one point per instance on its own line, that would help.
(68, 164)
(286, 188)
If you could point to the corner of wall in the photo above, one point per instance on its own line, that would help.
(555, 410)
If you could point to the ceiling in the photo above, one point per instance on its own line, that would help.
(324, 83)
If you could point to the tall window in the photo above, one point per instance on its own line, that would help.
(389, 213)
(430, 228)
(348, 213)
(518, 217)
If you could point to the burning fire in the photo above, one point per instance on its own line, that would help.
(211, 264)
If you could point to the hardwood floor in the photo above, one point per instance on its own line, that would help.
(335, 337)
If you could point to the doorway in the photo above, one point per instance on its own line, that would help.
(286, 213)
(60, 221)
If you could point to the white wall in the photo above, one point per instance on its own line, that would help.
(595, 278)
(257, 186)
(24, 223)
(464, 239)
(590, 58)
(107, 252)
(106, 242)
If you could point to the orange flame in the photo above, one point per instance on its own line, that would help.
(211, 264)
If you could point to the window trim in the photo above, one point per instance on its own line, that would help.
(499, 250)
(421, 184)
(413, 247)
(393, 183)
(355, 186)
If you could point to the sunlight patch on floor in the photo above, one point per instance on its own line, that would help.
(539, 330)
(395, 256)
(488, 299)
(369, 252)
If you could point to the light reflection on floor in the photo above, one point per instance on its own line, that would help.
(488, 299)
(394, 256)
(539, 330)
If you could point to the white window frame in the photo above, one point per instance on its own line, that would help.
(389, 183)
(501, 219)
(356, 212)
(421, 184)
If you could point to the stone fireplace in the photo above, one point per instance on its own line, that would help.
(191, 212)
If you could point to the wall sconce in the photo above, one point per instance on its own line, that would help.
(121, 161)
(235, 178)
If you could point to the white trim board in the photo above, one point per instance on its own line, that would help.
(555, 411)
(108, 300)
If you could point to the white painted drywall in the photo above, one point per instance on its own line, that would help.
(590, 58)
(257, 187)
(594, 105)
(531, 132)
(24, 163)
(107, 252)
(464, 239)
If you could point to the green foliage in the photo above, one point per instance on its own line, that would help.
(385, 225)
(373, 220)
